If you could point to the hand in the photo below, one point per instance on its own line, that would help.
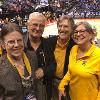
(39, 73)
(61, 93)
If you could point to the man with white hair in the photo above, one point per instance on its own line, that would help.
(46, 62)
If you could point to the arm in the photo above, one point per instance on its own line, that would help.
(64, 82)
(49, 67)
(50, 62)
(62, 85)
(98, 96)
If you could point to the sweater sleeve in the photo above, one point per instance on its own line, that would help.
(98, 96)
(64, 81)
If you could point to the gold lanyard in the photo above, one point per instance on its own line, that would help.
(20, 68)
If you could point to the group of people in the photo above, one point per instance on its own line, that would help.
(63, 67)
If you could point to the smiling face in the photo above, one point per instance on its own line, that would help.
(64, 29)
(81, 36)
(36, 25)
(13, 43)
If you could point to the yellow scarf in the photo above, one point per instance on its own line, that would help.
(27, 64)
(0, 51)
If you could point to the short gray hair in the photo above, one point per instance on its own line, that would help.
(35, 15)
(86, 25)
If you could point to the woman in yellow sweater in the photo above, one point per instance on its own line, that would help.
(83, 73)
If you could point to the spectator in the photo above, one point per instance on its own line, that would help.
(61, 46)
(17, 68)
(46, 62)
(83, 73)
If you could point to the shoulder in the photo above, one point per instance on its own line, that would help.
(96, 56)
(3, 59)
(48, 39)
(45, 43)
(52, 39)
(97, 51)
(4, 65)
(74, 47)
(74, 50)
(30, 54)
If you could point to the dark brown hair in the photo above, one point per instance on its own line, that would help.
(10, 27)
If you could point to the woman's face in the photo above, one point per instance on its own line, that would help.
(81, 35)
(13, 43)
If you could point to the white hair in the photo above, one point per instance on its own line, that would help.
(34, 15)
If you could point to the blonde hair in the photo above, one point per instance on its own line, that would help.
(65, 17)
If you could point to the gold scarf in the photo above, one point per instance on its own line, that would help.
(27, 64)
(0, 50)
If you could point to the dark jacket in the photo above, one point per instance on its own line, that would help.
(46, 61)
(53, 41)
(10, 79)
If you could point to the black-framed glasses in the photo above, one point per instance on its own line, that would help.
(80, 31)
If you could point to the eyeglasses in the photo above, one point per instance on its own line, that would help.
(80, 31)
(38, 25)
(13, 42)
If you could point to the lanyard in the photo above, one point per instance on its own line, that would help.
(20, 68)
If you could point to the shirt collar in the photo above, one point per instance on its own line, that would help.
(88, 53)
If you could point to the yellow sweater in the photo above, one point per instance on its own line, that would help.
(83, 75)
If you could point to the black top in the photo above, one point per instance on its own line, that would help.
(45, 57)
(46, 61)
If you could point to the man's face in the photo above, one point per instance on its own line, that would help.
(64, 29)
(36, 27)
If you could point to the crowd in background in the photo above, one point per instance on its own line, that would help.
(18, 10)
(55, 68)
(75, 8)
(86, 9)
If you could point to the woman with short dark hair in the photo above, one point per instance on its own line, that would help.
(17, 67)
